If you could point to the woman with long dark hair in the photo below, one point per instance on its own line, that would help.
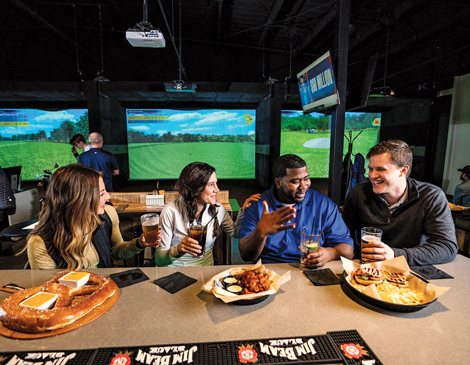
(197, 185)
(76, 228)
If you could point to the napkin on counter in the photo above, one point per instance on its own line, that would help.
(430, 272)
(322, 277)
(129, 277)
(175, 282)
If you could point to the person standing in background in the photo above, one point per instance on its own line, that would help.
(79, 141)
(462, 191)
(100, 160)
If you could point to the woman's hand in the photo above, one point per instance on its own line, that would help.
(254, 197)
(189, 245)
(150, 241)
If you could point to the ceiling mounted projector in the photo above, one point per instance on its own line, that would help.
(144, 34)
(151, 38)
(179, 87)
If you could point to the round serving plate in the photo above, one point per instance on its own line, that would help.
(356, 294)
(250, 301)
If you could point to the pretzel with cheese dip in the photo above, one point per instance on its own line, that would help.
(71, 304)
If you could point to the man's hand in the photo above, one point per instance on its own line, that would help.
(272, 223)
(317, 259)
(74, 150)
(377, 251)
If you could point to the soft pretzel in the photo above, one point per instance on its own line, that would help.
(71, 304)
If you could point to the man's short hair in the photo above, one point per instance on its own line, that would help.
(400, 152)
(282, 163)
(77, 138)
(95, 138)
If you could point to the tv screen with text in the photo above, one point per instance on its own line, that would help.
(161, 142)
(38, 140)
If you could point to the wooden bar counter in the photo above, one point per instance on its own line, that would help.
(145, 314)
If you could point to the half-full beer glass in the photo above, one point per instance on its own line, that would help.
(369, 234)
(150, 223)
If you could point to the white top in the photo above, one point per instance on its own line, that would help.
(174, 224)
(87, 148)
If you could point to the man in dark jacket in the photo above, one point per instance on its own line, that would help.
(414, 216)
(100, 160)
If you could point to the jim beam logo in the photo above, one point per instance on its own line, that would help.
(247, 354)
(166, 355)
(121, 358)
(40, 358)
(354, 351)
(291, 349)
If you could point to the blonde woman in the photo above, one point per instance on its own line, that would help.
(76, 228)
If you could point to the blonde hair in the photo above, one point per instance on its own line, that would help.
(70, 215)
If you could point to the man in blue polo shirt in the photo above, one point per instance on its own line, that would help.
(100, 160)
(271, 227)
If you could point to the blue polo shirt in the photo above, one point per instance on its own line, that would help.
(284, 246)
(102, 161)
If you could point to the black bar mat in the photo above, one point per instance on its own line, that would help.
(322, 349)
(353, 337)
(78, 357)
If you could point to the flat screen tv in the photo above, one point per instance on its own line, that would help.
(317, 85)
(161, 142)
(37, 140)
(308, 136)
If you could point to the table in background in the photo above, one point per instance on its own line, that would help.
(146, 315)
(17, 230)
(129, 222)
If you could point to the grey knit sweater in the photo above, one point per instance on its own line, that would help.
(421, 229)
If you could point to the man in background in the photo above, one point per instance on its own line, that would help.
(79, 141)
(272, 226)
(462, 191)
(100, 160)
(414, 216)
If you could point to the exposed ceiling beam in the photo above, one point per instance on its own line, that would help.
(49, 26)
(269, 22)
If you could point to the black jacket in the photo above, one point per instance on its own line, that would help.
(421, 229)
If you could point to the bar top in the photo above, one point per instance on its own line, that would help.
(147, 315)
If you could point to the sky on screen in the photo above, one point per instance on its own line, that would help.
(200, 121)
(37, 119)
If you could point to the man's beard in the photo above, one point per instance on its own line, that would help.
(289, 197)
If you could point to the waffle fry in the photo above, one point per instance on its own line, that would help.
(396, 295)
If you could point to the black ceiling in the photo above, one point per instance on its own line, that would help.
(421, 44)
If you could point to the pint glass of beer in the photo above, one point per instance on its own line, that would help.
(198, 233)
(369, 234)
(150, 224)
(309, 242)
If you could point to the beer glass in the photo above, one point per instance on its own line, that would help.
(197, 231)
(150, 223)
(369, 234)
(309, 242)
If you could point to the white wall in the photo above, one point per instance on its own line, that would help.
(458, 140)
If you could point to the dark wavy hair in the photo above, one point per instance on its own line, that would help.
(400, 153)
(191, 183)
